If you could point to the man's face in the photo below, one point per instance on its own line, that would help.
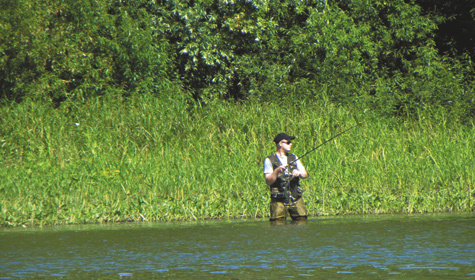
(286, 145)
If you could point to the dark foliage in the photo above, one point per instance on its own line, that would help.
(456, 25)
(398, 57)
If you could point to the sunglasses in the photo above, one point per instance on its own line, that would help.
(287, 142)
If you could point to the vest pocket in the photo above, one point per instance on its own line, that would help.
(274, 193)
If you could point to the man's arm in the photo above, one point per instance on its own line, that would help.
(300, 171)
(272, 177)
(269, 174)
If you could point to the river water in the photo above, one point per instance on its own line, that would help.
(440, 246)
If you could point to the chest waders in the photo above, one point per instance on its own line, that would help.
(285, 189)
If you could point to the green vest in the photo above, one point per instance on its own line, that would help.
(281, 184)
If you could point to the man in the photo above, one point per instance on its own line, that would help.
(282, 171)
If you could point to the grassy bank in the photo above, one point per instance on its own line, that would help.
(111, 160)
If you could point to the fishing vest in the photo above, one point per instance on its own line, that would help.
(279, 187)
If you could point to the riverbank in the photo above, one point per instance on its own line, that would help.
(161, 159)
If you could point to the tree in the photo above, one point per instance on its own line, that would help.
(74, 49)
(455, 34)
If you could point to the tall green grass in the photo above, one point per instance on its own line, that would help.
(168, 158)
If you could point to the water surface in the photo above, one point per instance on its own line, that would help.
(372, 247)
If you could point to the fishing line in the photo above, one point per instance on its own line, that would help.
(290, 201)
(314, 148)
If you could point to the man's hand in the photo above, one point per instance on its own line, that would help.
(272, 177)
(281, 169)
(295, 173)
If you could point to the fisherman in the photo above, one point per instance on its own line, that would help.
(283, 171)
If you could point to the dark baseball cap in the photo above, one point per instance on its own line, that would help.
(283, 136)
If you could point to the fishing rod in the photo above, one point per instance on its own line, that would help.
(290, 200)
(344, 131)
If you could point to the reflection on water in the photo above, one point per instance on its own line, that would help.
(374, 247)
